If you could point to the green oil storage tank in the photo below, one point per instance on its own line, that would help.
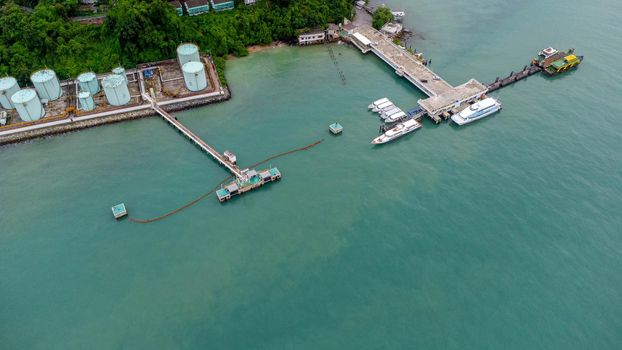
(187, 53)
(194, 76)
(8, 86)
(120, 71)
(86, 101)
(88, 82)
(116, 90)
(28, 105)
(46, 84)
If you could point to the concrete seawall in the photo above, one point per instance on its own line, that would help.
(116, 118)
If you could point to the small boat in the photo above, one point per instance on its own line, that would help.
(386, 114)
(553, 61)
(398, 14)
(335, 128)
(395, 117)
(397, 131)
(382, 106)
(477, 111)
(377, 103)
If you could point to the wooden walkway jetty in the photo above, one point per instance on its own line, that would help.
(443, 97)
(527, 71)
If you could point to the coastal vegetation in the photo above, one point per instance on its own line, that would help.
(145, 30)
(381, 16)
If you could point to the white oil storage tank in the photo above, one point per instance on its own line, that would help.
(8, 86)
(28, 105)
(116, 90)
(194, 76)
(88, 82)
(187, 53)
(120, 71)
(47, 85)
(86, 101)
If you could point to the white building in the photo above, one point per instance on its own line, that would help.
(311, 38)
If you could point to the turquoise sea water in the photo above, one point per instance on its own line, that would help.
(505, 234)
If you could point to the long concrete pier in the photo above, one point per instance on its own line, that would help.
(442, 97)
(234, 169)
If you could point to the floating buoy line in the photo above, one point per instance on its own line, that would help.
(197, 200)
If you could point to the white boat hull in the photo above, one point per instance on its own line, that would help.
(460, 121)
(393, 135)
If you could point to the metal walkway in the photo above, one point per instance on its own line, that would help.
(234, 169)
(527, 71)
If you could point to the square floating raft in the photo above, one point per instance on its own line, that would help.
(119, 211)
(335, 128)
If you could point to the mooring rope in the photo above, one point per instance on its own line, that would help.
(197, 200)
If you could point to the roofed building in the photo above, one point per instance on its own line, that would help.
(178, 7)
(196, 7)
(222, 5)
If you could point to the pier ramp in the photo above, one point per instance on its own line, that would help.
(442, 96)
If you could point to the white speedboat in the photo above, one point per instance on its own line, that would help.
(377, 103)
(386, 114)
(477, 111)
(395, 117)
(397, 131)
(382, 106)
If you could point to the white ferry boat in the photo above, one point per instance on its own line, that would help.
(477, 111)
(377, 103)
(382, 106)
(397, 131)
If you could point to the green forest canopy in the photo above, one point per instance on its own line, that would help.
(145, 30)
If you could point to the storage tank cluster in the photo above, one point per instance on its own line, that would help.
(192, 67)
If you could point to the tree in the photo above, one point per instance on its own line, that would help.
(381, 16)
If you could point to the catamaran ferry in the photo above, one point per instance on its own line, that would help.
(397, 131)
(477, 111)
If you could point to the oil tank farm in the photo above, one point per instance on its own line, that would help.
(47, 85)
(88, 82)
(116, 90)
(28, 105)
(120, 71)
(8, 86)
(86, 101)
(194, 76)
(187, 53)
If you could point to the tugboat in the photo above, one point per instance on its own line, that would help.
(553, 61)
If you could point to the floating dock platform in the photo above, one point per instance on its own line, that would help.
(119, 211)
(250, 180)
(335, 128)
